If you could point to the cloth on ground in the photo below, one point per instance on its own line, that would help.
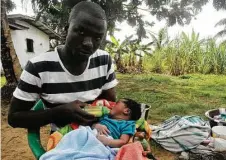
(74, 146)
(179, 134)
(131, 151)
(214, 145)
(214, 150)
(219, 145)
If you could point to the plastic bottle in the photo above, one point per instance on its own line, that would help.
(97, 111)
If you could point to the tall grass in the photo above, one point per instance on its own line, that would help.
(188, 54)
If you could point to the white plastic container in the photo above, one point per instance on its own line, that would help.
(219, 132)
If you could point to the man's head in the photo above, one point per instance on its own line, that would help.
(127, 107)
(87, 26)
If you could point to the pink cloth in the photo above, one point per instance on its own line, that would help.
(131, 151)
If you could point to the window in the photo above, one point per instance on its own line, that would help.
(30, 47)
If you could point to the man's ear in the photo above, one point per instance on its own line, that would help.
(65, 32)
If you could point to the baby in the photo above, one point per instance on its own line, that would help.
(119, 123)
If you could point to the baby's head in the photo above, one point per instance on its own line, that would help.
(127, 108)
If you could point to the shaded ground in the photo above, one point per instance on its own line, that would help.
(6, 90)
(14, 141)
(193, 94)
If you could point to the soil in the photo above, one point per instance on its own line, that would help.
(14, 145)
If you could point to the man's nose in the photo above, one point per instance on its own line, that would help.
(87, 42)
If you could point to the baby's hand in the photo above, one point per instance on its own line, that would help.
(102, 129)
(103, 139)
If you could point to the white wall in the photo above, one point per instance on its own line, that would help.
(40, 39)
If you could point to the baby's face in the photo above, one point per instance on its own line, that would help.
(118, 108)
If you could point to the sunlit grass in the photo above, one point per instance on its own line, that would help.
(3, 81)
(168, 95)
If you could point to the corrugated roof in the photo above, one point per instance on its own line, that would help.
(31, 20)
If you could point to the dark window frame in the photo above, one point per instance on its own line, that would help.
(30, 45)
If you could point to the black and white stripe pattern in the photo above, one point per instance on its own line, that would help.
(45, 76)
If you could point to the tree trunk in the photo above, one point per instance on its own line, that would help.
(140, 64)
(10, 62)
(130, 59)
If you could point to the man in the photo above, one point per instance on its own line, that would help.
(74, 73)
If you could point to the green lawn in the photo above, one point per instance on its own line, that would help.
(3, 81)
(168, 95)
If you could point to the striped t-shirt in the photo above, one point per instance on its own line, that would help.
(46, 77)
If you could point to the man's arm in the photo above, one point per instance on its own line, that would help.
(20, 114)
(114, 143)
(109, 95)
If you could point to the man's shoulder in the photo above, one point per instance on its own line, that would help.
(47, 56)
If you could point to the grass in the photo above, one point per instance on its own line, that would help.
(3, 81)
(169, 95)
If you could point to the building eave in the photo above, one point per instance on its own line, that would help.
(41, 26)
(15, 26)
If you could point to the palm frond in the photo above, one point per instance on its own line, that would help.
(154, 38)
(114, 40)
(222, 22)
(221, 33)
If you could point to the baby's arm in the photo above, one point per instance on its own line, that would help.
(102, 129)
(114, 143)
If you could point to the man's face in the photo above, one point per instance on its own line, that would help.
(85, 34)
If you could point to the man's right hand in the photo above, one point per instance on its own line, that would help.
(21, 115)
(75, 113)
